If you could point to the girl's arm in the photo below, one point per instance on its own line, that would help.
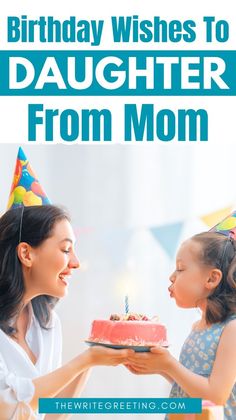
(168, 378)
(132, 369)
(216, 388)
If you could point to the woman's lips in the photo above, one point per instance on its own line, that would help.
(64, 279)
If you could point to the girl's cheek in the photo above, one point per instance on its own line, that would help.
(185, 288)
(196, 289)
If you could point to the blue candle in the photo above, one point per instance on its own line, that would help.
(126, 304)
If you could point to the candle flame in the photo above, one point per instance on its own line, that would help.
(126, 285)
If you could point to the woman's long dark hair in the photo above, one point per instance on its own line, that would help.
(33, 224)
(219, 251)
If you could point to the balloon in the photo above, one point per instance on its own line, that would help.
(19, 193)
(31, 199)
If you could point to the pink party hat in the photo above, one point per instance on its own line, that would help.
(26, 189)
(227, 226)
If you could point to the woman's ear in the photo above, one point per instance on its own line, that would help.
(214, 279)
(25, 254)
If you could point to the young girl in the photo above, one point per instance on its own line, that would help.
(205, 277)
(37, 258)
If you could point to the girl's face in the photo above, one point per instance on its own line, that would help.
(189, 280)
(52, 263)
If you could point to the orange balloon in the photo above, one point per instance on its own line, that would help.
(31, 199)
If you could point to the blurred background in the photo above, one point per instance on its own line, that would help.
(131, 207)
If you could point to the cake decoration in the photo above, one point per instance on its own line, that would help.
(130, 317)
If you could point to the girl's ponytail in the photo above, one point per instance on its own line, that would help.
(219, 251)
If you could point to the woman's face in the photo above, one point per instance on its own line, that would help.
(189, 279)
(52, 263)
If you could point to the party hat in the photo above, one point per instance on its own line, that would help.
(227, 226)
(26, 189)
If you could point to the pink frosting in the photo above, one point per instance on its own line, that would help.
(128, 332)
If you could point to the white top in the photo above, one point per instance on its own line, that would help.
(17, 370)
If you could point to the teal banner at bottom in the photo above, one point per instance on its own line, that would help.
(120, 405)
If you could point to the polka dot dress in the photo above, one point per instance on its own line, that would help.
(198, 355)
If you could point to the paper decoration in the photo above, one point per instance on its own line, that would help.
(168, 236)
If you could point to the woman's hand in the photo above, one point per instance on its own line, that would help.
(99, 355)
(156, 361)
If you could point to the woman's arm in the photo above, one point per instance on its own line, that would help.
(216, 388)
(74, 389)
(48, 386)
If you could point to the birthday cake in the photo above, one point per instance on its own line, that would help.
(129, 330)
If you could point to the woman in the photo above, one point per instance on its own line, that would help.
(37, 258)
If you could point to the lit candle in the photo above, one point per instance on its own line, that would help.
(126, 304)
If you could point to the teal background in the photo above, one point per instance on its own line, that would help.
(192, 405)
(38, 58)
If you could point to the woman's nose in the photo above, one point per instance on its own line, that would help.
(74, 262)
